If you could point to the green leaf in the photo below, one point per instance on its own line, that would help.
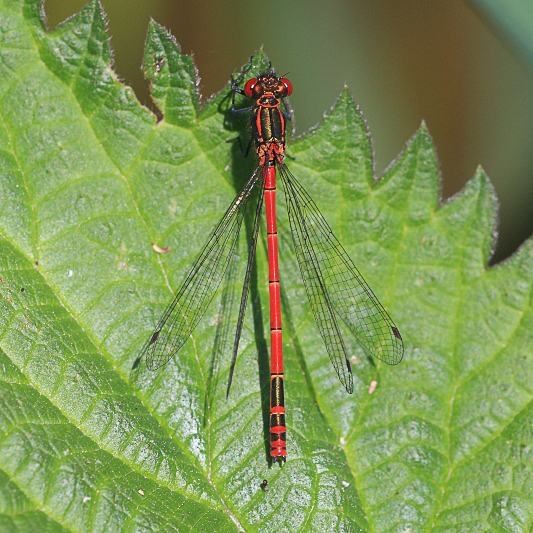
(89, 179)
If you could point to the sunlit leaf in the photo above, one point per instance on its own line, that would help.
(90, 181)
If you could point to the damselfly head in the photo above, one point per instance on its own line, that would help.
(268, 84)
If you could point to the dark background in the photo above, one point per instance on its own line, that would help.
(440, 61)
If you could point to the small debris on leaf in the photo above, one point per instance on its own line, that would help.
(160, 250)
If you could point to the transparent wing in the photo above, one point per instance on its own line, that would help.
(335, 287)
(200, 285)
(246, 285)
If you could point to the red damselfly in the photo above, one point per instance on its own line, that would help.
(335, 288)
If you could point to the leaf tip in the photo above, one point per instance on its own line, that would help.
(481, 182)
(481, 175)
(345, 93)
(424, 141)
(97, 9)
(260, 57)
(423, 127)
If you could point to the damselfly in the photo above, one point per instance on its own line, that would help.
(335, 288)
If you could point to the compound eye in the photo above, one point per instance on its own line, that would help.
(249, 87)
(288, 86)
(258, 90)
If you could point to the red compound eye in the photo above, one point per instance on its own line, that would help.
(287, 84)
(249, 87)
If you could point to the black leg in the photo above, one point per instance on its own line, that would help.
(244, 151)
(236, 89)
